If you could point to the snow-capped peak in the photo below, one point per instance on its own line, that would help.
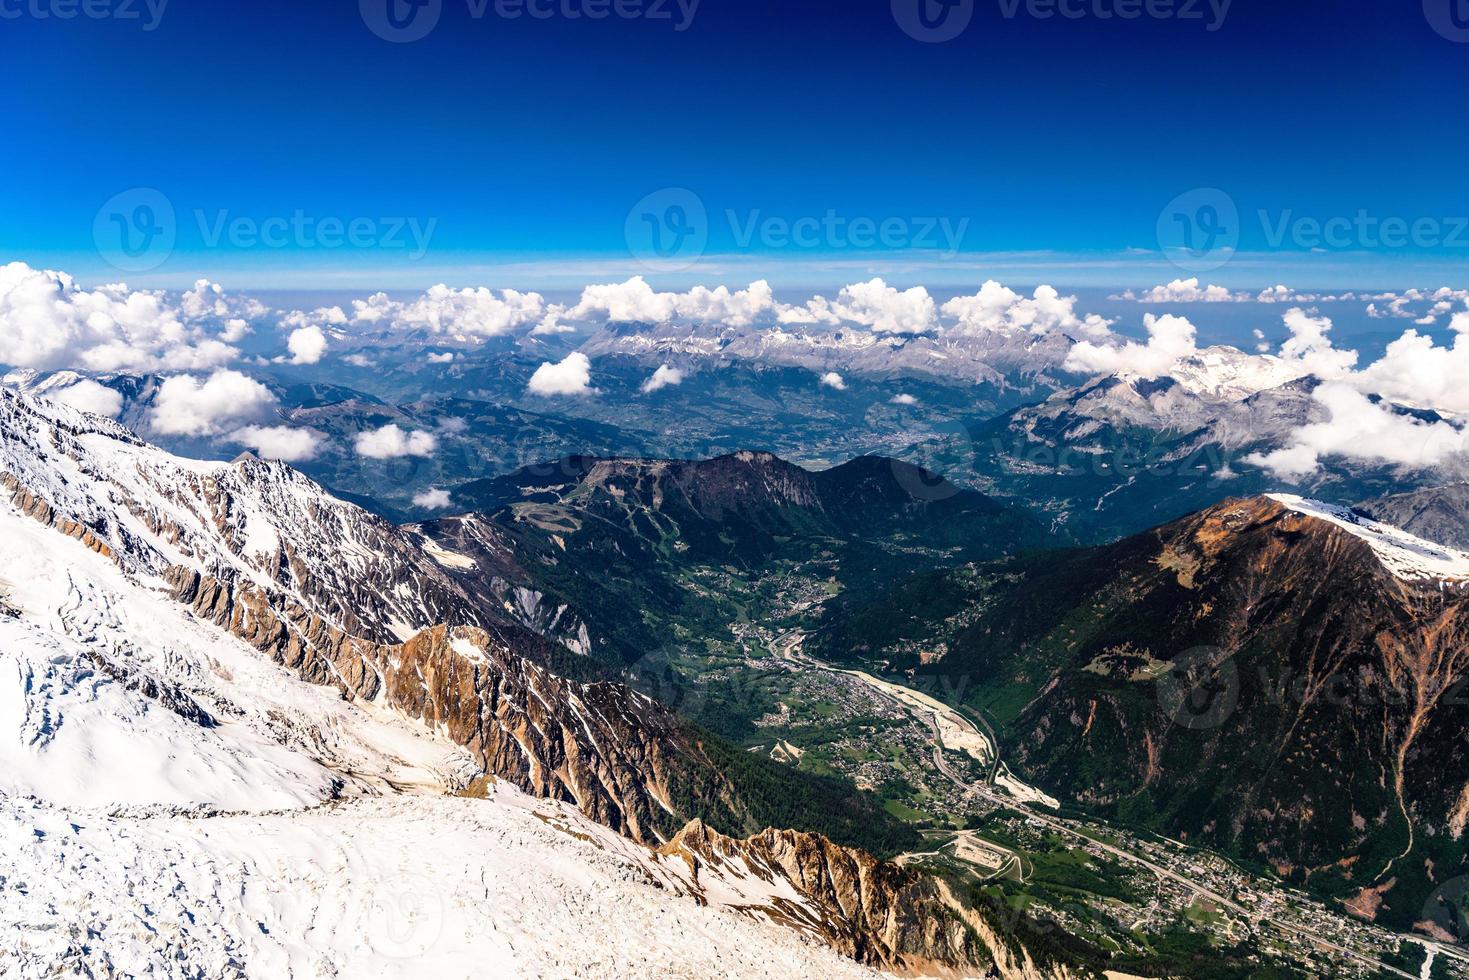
(1229, 374)
(1405, 555)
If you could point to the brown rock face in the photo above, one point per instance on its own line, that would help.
(602, 747)
(873, 911)
(1254, 677)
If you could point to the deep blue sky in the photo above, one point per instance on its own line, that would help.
(528, 141)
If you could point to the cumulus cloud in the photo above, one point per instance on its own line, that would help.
(997, 308)
(570, 376)
(89, 396)
(1414, 370)
(1311, 348)
(391, 441)
(47, 321)
(1186, 291)
(432, 499)
(903, 398)
(1361, 429)
(636, 301)
(186, 406)
(873, 304)
(1170, 338)
(1422, 306)
(833, 380)
(467, 314)
(447, 357)
(664, 377)
(207, 301)
(279, 441)
(306, 344)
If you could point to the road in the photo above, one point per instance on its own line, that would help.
(785, 646)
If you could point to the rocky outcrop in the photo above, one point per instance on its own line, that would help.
(601, 746)
(874, 911)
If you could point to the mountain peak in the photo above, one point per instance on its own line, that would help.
(1405, 555)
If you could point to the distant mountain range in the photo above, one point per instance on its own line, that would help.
(1094, 459)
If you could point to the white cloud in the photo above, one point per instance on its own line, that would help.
(208, 301)
(1311, 348)
(467, 314)
(391, 442)
(184, 406)
(1191, 290)
(833, 380)
(279, 441)
(433, 499)
(1186, 291)
(1416, 371)
(1405, 305)
(1357, 428)
(636, 301)
(1170, 338)
(571, 376)
(873, 304)
(47, 321)
(447, 357)
(306, 344)
(89, 396)
(664, 377)
(903, 398)
(552, 324)
(997, 308)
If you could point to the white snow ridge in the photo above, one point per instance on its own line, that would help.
(175, 804)
(1405, 555)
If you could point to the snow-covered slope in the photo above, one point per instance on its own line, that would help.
(248, 520)
(173, 804)
(1405, 555)
(402, 886)
(217, 761)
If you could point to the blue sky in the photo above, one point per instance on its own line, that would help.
(517, 151)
